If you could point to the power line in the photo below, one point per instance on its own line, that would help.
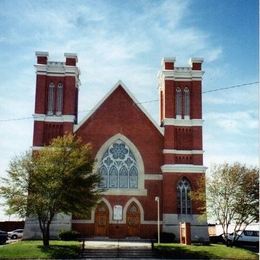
(234, 86)
(144, 102)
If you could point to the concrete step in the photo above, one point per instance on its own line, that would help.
(118, 253)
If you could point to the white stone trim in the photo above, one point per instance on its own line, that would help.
(54, 118)
(71, 55)
(123, 221)
(41, 54)
(141, 191)
(174, 151)
(181, 74)
(153, 177)
(196, 60)
(37, 148)
(183, 122)
(135, 200)
(199, 226)
(56, 68)
(126, 192)
(137, 103)
(183, 168)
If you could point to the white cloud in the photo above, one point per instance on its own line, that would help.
(234, 122)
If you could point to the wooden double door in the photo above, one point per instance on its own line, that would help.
(101, 220)
(132, 220)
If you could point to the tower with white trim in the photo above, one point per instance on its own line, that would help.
(181, 118)
(56, 98)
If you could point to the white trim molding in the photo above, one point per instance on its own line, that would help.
(181, 74)
(156, 177)
(183, 122)
(59, 68)
(54, 118)
(37, 148)
(137, 103)
(174, 151)
(183, 168)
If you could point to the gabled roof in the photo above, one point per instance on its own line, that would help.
(118, 84)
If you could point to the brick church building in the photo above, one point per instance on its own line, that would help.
(138, 158)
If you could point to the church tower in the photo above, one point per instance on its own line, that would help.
(56, 98)
(181, 118)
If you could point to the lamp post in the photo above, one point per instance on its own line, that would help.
(157, 199)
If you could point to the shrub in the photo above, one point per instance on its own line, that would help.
(166, 237)
(69, 235)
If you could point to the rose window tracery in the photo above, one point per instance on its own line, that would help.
(118, 167)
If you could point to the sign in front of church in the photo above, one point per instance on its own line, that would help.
(118, 212)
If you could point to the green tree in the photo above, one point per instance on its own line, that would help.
(57, 179)
(233, 196)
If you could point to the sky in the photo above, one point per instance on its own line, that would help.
(126, 40)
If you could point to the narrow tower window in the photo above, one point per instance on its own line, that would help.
(51, 99)
(183, 197)
(186, 102)
(178, 102)
(59, 99)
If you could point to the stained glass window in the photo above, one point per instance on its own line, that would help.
(178, 102)
(186, 102)
(183, 197)
(59, 99)
(51, 99)
(118, 167)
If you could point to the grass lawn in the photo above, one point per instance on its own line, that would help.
(34, 249)
(213, 251)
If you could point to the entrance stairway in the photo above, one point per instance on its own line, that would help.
(117, 249)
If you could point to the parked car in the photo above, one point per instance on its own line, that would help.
(3, 237)
(217, 239)
(17, 233)
(246, 237)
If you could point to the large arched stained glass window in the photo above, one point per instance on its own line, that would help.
(118, 167)
(183, 197)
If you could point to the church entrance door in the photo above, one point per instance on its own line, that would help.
(133, 220)
(101, 220)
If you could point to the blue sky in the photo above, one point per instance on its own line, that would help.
(126, 40)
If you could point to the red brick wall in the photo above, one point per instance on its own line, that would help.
(118, 114)
(170, 181)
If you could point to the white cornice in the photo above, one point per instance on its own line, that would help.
(129, 192)
(41, 54)
(183, 168)
(182, 122)
(56, 68)
(155, 177)
(37, 148)
(181, 74)
(137, 103)
(174, 151)
(59, 119)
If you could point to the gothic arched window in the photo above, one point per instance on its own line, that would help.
(178, 102)
(183, 197)
(186, 102)
(51, 99)
(59, 99)
(118, 167)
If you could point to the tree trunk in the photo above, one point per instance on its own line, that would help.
(46, 236)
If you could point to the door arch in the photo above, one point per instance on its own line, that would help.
(133, 220)
(101, 220)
